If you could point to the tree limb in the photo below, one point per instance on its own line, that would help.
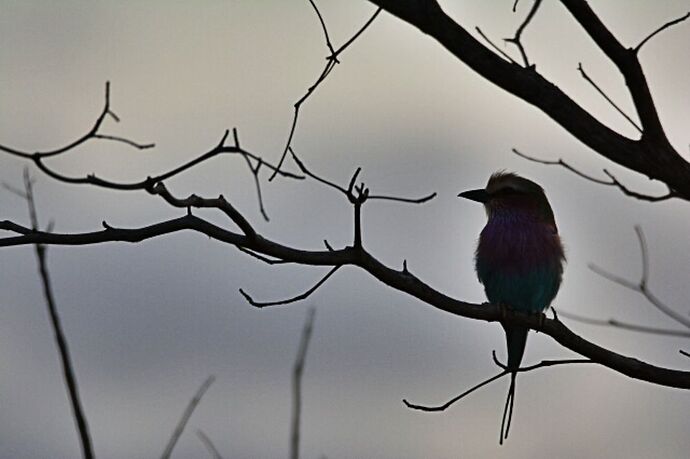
(652, 155)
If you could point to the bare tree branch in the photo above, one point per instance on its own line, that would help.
(651, 155)
(179, 428)
(449, 403)
(608, 99)
(297, 371)
(348, 192)
(60, 339)
(91, 134)
(208, 444)
(643, 285)
(301, 296)
(660, 29)
(624, 325)
(358, 256)
(496, 48)
(331, 62)
(518, 34)
(613, 180)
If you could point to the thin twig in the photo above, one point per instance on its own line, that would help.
(331, 61)
(60, 339)
(270, 261)
(542, 364)
(301, 296)
(613, 180)
(608, 99)
(455, 399)
(329, 45)
(686, 354)
(660, 29)
(297, 371)
(561, 163)
(179, 428)
(496, 48)
(643, 285)
(624, 325)
(518, 34)
(349, 190)
(634, 194)
(91, 134)
(213, 451)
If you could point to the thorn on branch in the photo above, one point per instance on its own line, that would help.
(236, 136)
(221, 144)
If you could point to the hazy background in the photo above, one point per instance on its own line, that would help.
(147, 323)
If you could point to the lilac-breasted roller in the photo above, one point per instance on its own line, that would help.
(519, 259)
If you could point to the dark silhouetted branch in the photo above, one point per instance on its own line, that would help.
(518, 34)
(624, 325)
(60, 339)
(297, 371)
(301, 296)
(349, 192)
(179, 428)
(331, 62)
(643, 285)
(542, 364)
(651, 155)
(660, 29)
(358, 256)
(641, 196)
(608, 99)
(496, 48)
(613, 180)
(91, 134)
(329, 45)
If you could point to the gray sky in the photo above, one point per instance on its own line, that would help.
(148, 322)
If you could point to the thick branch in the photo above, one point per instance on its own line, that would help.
(399, 280)
(652, 155)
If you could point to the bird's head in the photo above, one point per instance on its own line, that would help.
(508, 192)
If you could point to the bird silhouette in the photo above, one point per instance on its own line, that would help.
(519, 259)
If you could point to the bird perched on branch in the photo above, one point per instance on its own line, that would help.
(519, 259)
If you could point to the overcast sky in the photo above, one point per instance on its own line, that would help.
(147, 323)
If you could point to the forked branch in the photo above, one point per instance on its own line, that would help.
(642, 286)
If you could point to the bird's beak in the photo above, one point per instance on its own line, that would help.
(475, 195)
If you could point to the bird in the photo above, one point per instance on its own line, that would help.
(519, 259)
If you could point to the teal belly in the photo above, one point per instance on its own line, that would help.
(528, 291)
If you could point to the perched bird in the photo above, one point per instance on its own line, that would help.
(519, 259)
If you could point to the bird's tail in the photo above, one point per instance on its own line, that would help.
(516, 339)
(508, 410)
